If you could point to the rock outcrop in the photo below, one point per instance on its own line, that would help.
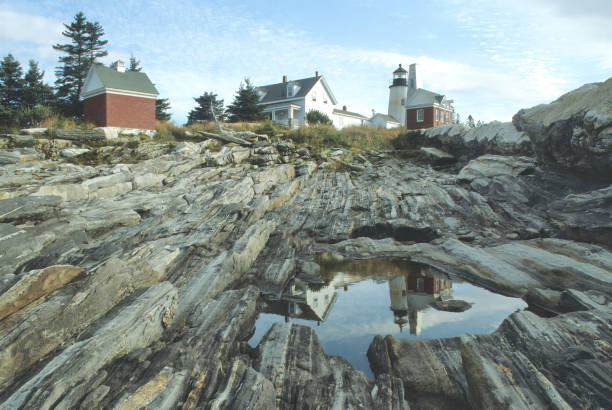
(575, 131)
(498, 138)
(131, 277)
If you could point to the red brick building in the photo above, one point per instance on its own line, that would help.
(113, 97)
(426, 109)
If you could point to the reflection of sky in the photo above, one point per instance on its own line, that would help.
(364, 311)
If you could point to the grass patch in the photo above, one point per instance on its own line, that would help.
(356, 138)
(167, 131)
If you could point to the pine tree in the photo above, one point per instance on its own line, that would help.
(35, 91)
(135, 66)
(162, 105)
(202, 110)
(245, 106)
(11, 83)
(84, 47)
(11, 91)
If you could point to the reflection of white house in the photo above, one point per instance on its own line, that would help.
(301, 302)
(288, 102)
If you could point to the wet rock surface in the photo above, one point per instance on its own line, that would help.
(134, 279)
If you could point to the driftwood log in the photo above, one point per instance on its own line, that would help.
(225, 138)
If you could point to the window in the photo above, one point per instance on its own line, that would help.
(437, 115)
(289, 89)
(403, 101)
(420, 115)
(314, 96)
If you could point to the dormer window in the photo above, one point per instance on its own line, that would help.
(290, 89)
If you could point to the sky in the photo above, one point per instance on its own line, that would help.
(491, 57)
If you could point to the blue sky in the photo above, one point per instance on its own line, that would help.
(492, 58)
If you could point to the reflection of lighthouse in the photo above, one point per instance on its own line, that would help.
(411, 294)
(399, 304)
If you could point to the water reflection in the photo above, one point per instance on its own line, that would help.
(409, 293)
(358, 299)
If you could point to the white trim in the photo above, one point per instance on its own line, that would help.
(100, 91)
(359, 116)
(281, 107)
(280, 101)
(422, 112)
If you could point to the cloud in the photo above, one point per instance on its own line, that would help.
(21, 27)
(520, 54)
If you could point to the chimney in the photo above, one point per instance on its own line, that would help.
(284, 79)
(119, 66)
(414, 80)
(344, 108)
(316, 73)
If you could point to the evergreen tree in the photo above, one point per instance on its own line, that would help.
(162, 105)
(11, 91)
(202, 110)
(11, 83)
(135, 66)
(245, 106)
(35, 91)
(84, 47)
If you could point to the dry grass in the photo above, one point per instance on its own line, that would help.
(356, 138)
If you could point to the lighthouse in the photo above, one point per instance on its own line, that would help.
(398, 92)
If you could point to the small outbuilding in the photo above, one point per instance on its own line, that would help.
(120, 99)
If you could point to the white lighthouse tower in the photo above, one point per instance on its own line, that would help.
(398, 92)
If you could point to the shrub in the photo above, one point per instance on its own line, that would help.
(315, 117)
(409, 140)
(132, 144)
(270, 128)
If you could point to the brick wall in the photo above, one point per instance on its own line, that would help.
(113, 110)
(429, 119)
(130, 112)
(94, 110)
(411, 118)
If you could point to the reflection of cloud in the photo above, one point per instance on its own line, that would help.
(372, 314)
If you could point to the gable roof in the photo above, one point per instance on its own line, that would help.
(110, 78)
(349, 114)
(385, 117)
(422, 97)
(277, 92)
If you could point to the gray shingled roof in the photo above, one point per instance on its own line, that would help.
(352, 114)
(275, 92)
(129, 80)
(428, 95)
(385, 117)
